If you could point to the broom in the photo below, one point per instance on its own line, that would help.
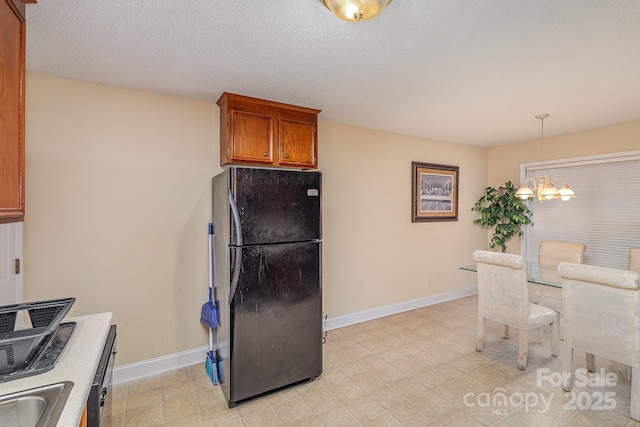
(217, 358)
(219, 363)
(211, 365)
(209, 318)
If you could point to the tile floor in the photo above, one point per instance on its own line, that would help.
(409, 369)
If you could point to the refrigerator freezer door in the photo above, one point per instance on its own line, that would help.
(276, 319)
(276, 206)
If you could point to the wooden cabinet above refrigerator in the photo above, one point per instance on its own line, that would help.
(267, 133)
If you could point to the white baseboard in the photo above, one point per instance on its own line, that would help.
(387, 310)
(174, 361)
(158, 365)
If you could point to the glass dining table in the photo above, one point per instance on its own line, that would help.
(539, 274)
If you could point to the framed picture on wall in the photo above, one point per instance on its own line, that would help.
(434, 192)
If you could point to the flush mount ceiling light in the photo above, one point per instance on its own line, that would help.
(356, 10)
(545, 187)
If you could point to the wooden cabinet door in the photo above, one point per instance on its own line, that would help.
(83, 420)
(252, 137)
(12, 74)
(297, 146)
(259, 132)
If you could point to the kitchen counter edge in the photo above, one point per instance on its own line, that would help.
(78, 363)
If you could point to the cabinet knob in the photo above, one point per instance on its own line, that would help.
(286, 156)
(266, 154)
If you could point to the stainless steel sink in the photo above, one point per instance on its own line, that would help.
(37, 407)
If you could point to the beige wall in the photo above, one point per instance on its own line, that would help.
(504, 161)
(118, 200)
(373, 254)
(117, 195)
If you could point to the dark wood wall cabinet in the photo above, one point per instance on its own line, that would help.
(12, 83)
(267, 133)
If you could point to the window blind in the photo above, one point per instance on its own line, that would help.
(604, 215)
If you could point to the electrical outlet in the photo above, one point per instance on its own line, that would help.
(428, 280)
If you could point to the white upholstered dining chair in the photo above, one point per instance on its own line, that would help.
(601, 312)
(553, 253)
(503, 297)
(634, 259)
(550, 254)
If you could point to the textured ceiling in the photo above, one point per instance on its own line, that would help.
(468, 71)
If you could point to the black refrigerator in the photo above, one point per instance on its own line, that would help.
(267, 262)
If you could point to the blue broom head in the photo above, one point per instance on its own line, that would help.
(220, 367)
(208, 315)
(211, 367)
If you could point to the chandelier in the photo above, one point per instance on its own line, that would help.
(356, 10)
(545, 187)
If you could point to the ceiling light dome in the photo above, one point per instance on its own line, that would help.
(356, 10)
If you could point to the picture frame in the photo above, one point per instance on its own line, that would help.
(434, 192)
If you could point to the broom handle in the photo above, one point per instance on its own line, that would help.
(210, 257)
(213, 281)
(210, 340)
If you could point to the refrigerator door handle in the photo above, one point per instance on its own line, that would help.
(236, 274)
(238, 260)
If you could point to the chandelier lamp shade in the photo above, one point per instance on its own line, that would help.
(356, 10)
(545, 188)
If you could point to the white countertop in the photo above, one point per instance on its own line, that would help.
(77, 363)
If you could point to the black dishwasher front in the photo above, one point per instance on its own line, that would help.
(99, 403)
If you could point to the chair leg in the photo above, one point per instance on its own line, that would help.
(523, 349)
(505, 332)
(567, 370)
(554, 338)
(635, 394)
(480, 334)
(627, 373)
(591, 362)
(560, 322)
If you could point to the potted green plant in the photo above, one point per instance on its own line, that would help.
(502, 210)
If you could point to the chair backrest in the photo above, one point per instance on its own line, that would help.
(634, 259)
(601, 306)
(553, 253)
(502, 288)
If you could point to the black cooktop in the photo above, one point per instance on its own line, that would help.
(45, 356)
